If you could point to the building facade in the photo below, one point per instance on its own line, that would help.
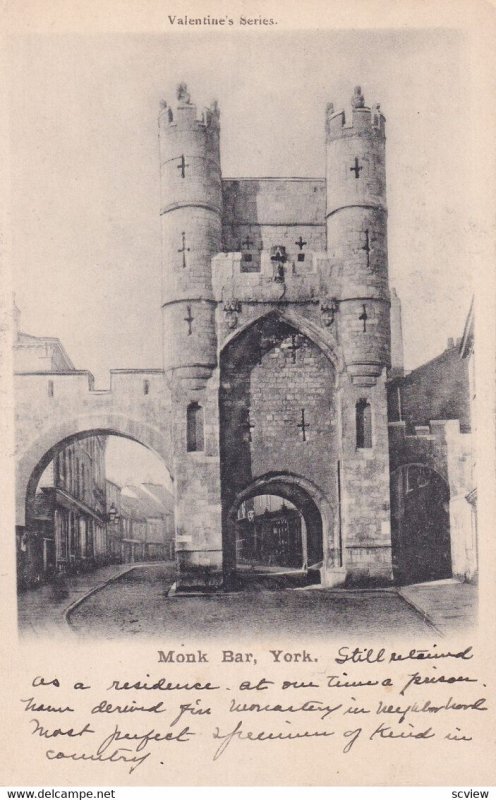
(70, 502)
(140, 523)
(466, 560)
(432, 470)
(273, 537)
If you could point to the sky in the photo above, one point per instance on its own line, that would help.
(129, 463)
(85, 171)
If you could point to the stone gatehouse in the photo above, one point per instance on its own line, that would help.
(276, 353)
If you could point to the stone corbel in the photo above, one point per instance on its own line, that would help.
(328, 309)
(232, 308)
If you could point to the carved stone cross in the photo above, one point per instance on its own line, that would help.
(247, 242)
(301, 244)
(182, 166)
(189, 319)
(184, 249)
(303, 425)
(367, 247)
(356, 169)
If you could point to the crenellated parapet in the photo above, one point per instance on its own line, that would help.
(365, 121)
(123, 382)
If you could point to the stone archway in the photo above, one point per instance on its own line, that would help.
(32, 462)
(313, 507)
(81, 523)
(324, 341)
(420, 524)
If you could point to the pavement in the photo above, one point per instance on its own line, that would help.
(43, 611)
(447, 606)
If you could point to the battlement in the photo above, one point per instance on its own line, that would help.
(75, 382)
(364, 119)
(185, 115)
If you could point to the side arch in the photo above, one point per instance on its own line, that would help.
(32, 462)
(421, 464)
(420, 524)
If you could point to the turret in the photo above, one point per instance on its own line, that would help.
(357, 233)
(191, 209)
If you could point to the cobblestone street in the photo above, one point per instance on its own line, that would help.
(128, 601)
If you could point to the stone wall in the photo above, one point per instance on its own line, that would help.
(197, 492)
(274, 211)
(365, 511)
(436, 390)
(444, 448)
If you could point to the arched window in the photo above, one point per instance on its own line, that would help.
(194, 428)
(363, 424)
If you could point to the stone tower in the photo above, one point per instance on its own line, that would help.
(276, 320)
(356, 217)
(191, 214)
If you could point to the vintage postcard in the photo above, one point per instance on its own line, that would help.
(248, 394)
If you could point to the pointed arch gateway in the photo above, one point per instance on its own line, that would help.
(420, 523)
(278, 427)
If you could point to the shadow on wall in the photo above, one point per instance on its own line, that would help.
(420, 525)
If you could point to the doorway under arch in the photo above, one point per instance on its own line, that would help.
(276, 539)
(420, 525)
(270, 533)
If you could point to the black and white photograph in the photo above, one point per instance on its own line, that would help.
(235, 381)
(241, 327)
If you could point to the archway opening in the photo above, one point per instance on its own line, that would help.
(270, 532)
(274, 527)
(93, 500)
(420, 524)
